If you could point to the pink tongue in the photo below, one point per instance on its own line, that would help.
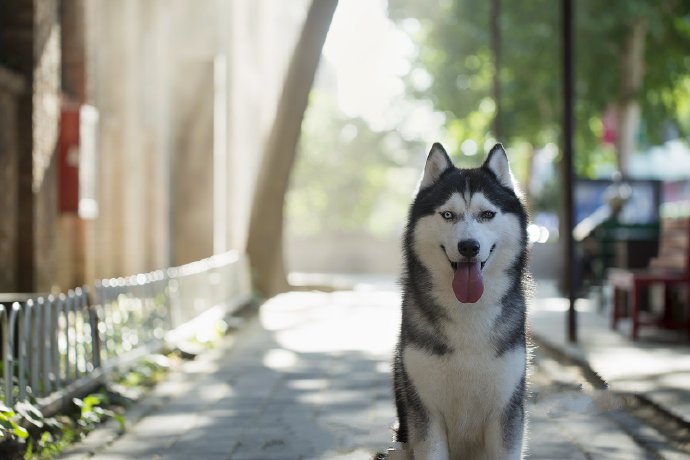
(468, 284)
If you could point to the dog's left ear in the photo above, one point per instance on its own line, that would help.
(497, 163)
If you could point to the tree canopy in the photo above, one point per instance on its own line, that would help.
(348, 177)
(454, 41)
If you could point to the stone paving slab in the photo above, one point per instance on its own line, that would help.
(656, 367)
(309, 378)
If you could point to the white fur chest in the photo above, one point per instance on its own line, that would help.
(471, 385)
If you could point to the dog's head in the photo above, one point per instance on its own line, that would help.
(467, 225)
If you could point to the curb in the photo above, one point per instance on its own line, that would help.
(597, 381)
(570, 357)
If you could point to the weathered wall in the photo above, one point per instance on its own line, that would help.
(72, 35)
(31, 47)
(179, 145)
(71, 230)
(11, 86)
(192, 161)
(164, 118)
(46, 117)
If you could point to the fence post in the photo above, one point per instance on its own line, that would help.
(63, 358)
(6, 353)
(47, 314)
(24, 316)
(32, 323)
(92, 308)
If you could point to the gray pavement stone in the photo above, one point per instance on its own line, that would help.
(657, 366)
(310, 378)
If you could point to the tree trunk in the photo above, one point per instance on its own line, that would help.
(496, 52)
(631, 84)
(265, 240)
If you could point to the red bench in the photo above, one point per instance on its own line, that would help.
(669, 269)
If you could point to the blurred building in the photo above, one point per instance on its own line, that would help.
(131, 131)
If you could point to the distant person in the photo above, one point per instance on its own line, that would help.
(616, 195)
(595, 231)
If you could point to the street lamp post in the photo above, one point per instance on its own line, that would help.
(568, 130)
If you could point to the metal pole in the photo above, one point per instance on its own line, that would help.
(568, 130)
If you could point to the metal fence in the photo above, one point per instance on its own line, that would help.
(54, 347)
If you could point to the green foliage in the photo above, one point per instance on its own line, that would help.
(602, 29)
(92, 411)
(9, 426)
(144, 374)
(47, 437)
(31, 414)
(454, 47)
(26, 423)
(349, 178)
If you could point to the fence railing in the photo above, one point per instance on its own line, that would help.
(54, 347)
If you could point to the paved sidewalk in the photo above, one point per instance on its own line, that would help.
(656, 367)
(310, 378)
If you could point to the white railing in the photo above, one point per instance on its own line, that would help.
(54, 347)
(133, 315)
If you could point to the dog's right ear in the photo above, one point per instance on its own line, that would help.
(437, 163)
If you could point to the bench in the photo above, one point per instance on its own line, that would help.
(669, 269)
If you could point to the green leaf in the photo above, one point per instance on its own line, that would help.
(92, 400)
(20, 431)
(120, 420)
(52, 422)
(46, 437)
(30, 413)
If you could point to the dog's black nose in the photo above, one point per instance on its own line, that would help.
(468, 248)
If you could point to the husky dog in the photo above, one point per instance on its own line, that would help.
(460, 362)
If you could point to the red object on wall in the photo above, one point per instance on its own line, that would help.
(68, 159)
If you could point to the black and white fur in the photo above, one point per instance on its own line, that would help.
(459, 369)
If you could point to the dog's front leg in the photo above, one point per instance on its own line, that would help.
(503, 440)
(430, 445)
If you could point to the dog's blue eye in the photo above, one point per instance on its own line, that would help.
(447, 215)
(487, 215)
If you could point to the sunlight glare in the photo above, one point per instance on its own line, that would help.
(369, 55)
(469, 147)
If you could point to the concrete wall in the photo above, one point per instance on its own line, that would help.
(168, 122)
